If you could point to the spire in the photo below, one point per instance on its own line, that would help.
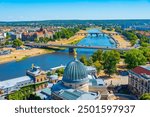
(75, 54)
(32, 66)
(41, 29)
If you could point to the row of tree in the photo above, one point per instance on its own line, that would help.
(65, 33)
(130, 35)
(43, 40)
(25, 93)
(134, 36)
(144, 40)
(14, 43)
(108, 60)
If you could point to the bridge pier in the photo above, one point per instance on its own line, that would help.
(71, 50)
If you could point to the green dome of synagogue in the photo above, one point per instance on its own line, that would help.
(75, 72)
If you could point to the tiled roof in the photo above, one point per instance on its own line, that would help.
(144, 33)
(141, 70)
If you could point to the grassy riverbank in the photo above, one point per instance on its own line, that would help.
(23, 58)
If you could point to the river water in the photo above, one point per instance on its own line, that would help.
(47, 61)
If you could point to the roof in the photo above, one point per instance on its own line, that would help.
(144, 33)
(142, 70)
(1, 36)
(46, 91)
(58, 67)
(73, 94)
(53, 77)
(42, 96)
(146, 67)
(59, 86)
(75, 72)
(2, 98)
(34, 71)
(13, 82)
(90, 68)
(68, 93)
(95, 82)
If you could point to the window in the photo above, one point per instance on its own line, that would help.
(45, 85)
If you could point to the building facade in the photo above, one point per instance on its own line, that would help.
(35, 76)
(39, 77)
(139, 80)
(31, 36)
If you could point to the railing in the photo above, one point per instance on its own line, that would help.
(75, 46)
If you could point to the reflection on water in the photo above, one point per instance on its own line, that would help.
(17, 69)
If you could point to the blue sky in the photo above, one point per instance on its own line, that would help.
(21, 10)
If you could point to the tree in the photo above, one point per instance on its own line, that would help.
(130, 35)
(66, 33)
(90, 61)
(146, 52)
(144, 40)
(83, 59)
(60, 71)
(36, 40)
(17, 43)
(21, 94)
(134, 58)
(97, 65)
(118, 29)
(110, 60)
(144, 44)
(110, 29)
(103, 27)
(97, 56)
(145, 96)
(49, 73)
(7, 42)
(7, 36)
(34, 97)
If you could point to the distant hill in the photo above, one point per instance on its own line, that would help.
(75, 22)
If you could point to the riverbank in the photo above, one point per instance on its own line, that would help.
(19, 55)
(119, 39)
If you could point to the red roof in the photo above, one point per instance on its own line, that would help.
(141, 70)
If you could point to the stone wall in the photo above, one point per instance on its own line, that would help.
(102, 89)
(79, 86)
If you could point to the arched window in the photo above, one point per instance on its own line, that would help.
(37, 80)
(45, 85)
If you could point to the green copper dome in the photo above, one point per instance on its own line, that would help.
(75, 72)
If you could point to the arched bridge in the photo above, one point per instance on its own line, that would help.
(96, 34)
(72, 47)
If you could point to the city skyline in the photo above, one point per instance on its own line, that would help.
(32, 10)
